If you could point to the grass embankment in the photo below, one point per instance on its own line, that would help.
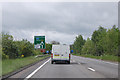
(0, 67)
(10, 65)
(104, 57)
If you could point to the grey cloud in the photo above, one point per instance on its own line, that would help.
(70, 18)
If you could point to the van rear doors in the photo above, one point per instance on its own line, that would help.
(56, 51)
(65, 51)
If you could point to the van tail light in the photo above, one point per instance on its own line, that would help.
(69, 55)
(51, 55)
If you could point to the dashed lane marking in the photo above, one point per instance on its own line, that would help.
(91, 69)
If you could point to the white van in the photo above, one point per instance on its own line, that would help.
(60, 53)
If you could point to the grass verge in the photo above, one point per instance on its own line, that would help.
(104, 57)
(0, 68)
(10, 65)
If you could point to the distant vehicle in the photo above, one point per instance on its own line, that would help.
(60, 53)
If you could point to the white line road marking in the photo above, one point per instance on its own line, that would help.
(37, 69)
(91, 69)
(109, 62)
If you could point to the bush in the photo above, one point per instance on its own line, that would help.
(24, 48)
(8, 46)
(15, 49)
(4, 56)
(37, 52)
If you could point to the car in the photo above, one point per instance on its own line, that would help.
(60, 53)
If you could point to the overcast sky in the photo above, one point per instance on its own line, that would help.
(57, 21)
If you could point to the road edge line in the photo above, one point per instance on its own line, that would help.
(21, 69)
(98, 60)
(30, 75)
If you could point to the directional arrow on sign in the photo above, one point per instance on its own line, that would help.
(41, 44)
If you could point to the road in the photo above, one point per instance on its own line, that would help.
(80, 67)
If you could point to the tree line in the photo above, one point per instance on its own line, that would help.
(12, 49)
(102, 42)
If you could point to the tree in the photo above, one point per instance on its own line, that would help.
(14, 49)
(1, 54)
(102, 42)
(48, 47)
(26, 48)
(88, 47)
(111, 42)
(97, 38)
(8, 46)
(79, 42)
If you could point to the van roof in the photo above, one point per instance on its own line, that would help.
(60, 44)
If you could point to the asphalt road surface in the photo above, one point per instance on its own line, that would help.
(80, 67)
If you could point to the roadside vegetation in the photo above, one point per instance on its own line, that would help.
(102, 57)
(0, 55)
(17, 54)
(104, 44)
(10, 65)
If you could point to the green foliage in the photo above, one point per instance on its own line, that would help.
(25, 48)
(4, 56)
(48, 47)
(79, 42)
(97, 38)
(10, 65)
(8, 46)
(103, 42)
(89, 47)
(111, 42)
(14, 49)
(37, 52)
(0, 46)
(0, 39)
